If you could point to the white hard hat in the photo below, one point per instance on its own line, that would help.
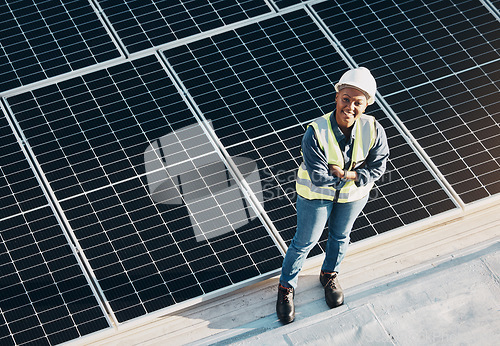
(359, 78)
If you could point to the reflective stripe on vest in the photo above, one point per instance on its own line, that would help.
(364, 128)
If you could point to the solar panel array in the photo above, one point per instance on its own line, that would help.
(145, 24)
(149, 151)
(100, 141)
(261, 85)
(437, 67)
(45, 297)
(45, 39)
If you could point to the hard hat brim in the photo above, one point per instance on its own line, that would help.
(369, 99)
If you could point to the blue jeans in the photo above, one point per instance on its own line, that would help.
(312, 216)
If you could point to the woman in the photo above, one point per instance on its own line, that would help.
(344, 153)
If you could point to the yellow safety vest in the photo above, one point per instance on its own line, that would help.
(365, 135)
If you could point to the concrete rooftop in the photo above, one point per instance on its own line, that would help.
(431, 283)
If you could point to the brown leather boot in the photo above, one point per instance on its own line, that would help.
(284, 305)
(334, 295)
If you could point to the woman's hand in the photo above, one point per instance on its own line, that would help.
(336, 171)
(343, 174)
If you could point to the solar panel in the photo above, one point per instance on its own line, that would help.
(152, 204)
(45, 298)
(48, 38)
(145, 24)
(261, 84)
(438, 68)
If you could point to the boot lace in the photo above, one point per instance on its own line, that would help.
(286, 293)
(331, 282)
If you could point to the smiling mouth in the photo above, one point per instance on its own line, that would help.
(348, 115)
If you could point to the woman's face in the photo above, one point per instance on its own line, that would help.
(350, 104)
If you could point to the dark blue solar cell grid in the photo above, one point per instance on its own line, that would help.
(145, 24)
(85, 131)
(5, 336)
(44, 296)
(19, 189)
(286, 3)
(260, 85)
(47, 38)
(461, 135)
(92, 137)
(413, 43)
(437, 66)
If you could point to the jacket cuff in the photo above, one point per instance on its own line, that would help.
(362, 177)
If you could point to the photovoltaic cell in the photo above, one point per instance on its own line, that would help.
(437, 66)
(154, 208)
(260, 85)
(5, 336)
(48, 38)
(145, 24)
(45, 298)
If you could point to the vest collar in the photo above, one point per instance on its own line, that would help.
(339, 135)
